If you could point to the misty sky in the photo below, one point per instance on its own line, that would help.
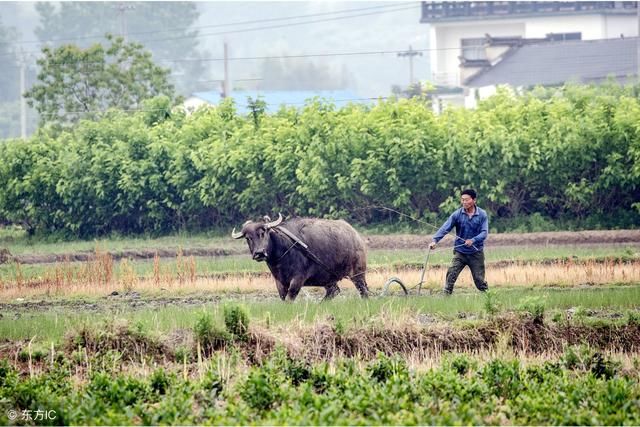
(373, 75)
(370, 30)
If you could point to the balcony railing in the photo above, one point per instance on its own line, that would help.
(444, 11)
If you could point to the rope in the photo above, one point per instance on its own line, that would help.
(422, 222)
(297, 240)
(286, 252)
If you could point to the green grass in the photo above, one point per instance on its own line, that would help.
(349, 310)
(382, 257)
(18, 243)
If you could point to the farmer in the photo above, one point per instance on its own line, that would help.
(472, 227)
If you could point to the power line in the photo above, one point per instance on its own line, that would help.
(229, 24)
(320, 55)
(255, 58)
(221, 80)
(244, 30)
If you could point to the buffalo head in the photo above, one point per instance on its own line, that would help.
(257, 236)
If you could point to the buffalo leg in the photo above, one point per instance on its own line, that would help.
(361, 285)
(294, 288)
(282, 289)
(332, 291)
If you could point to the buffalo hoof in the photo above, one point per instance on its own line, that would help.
(331, 293)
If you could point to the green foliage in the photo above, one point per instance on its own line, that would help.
(209, 335)
(385, 368)
(564, 157)
(260, 390)
(534, 306)
(283, 366)
(7, 373)
(382, 393)
(589, 360)
(236, 320)
(633, 318)
(118, 391)
(212, 382)
(88, 22)
(156, 110)
(503, 378)
(76, 83)
(160, 381)
(460, 364)
(491, 304)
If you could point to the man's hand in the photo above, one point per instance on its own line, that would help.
(432, 245)
(468, 242)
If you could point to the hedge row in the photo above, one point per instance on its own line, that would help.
(567, 152)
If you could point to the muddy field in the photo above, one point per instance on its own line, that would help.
(399, 241)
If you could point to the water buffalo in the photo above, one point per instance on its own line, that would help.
(307, 252)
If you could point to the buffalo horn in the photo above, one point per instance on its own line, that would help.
(239, 235)
(235, 235)
(274, 223)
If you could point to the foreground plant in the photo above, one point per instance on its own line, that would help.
(282, 390)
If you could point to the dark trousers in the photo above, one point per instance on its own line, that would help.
(475, 262)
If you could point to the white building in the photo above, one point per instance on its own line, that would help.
(459, 30)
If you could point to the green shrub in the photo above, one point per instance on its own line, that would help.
(236, 320)
(209, 335)
(587, 359)
(491, 304)
(534, 306)
(320, 379)
(159, 381)
(503, 377)
(117, 391)
(23, 356)
(7, 373)
(160, 171)
(384, 368)
(183, 354)
(212, 382)
(633, 318)
(459, 363)
(260, 390)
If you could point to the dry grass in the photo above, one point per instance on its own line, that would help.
(100, 276)
(561, 273)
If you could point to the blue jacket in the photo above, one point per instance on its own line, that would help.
(475, 228)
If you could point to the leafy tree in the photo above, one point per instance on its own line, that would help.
(77, 83)
(162, 27)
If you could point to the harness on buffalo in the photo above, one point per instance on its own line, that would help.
(297, 241)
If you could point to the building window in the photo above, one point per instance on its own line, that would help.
(558, 37)
(473, 49)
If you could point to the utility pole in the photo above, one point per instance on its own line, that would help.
(121, 7)
(225, 85)
(23, 101)
(410, 54)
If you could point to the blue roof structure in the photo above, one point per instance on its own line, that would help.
(276, 98)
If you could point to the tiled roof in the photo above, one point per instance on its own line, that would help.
(549, 63)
